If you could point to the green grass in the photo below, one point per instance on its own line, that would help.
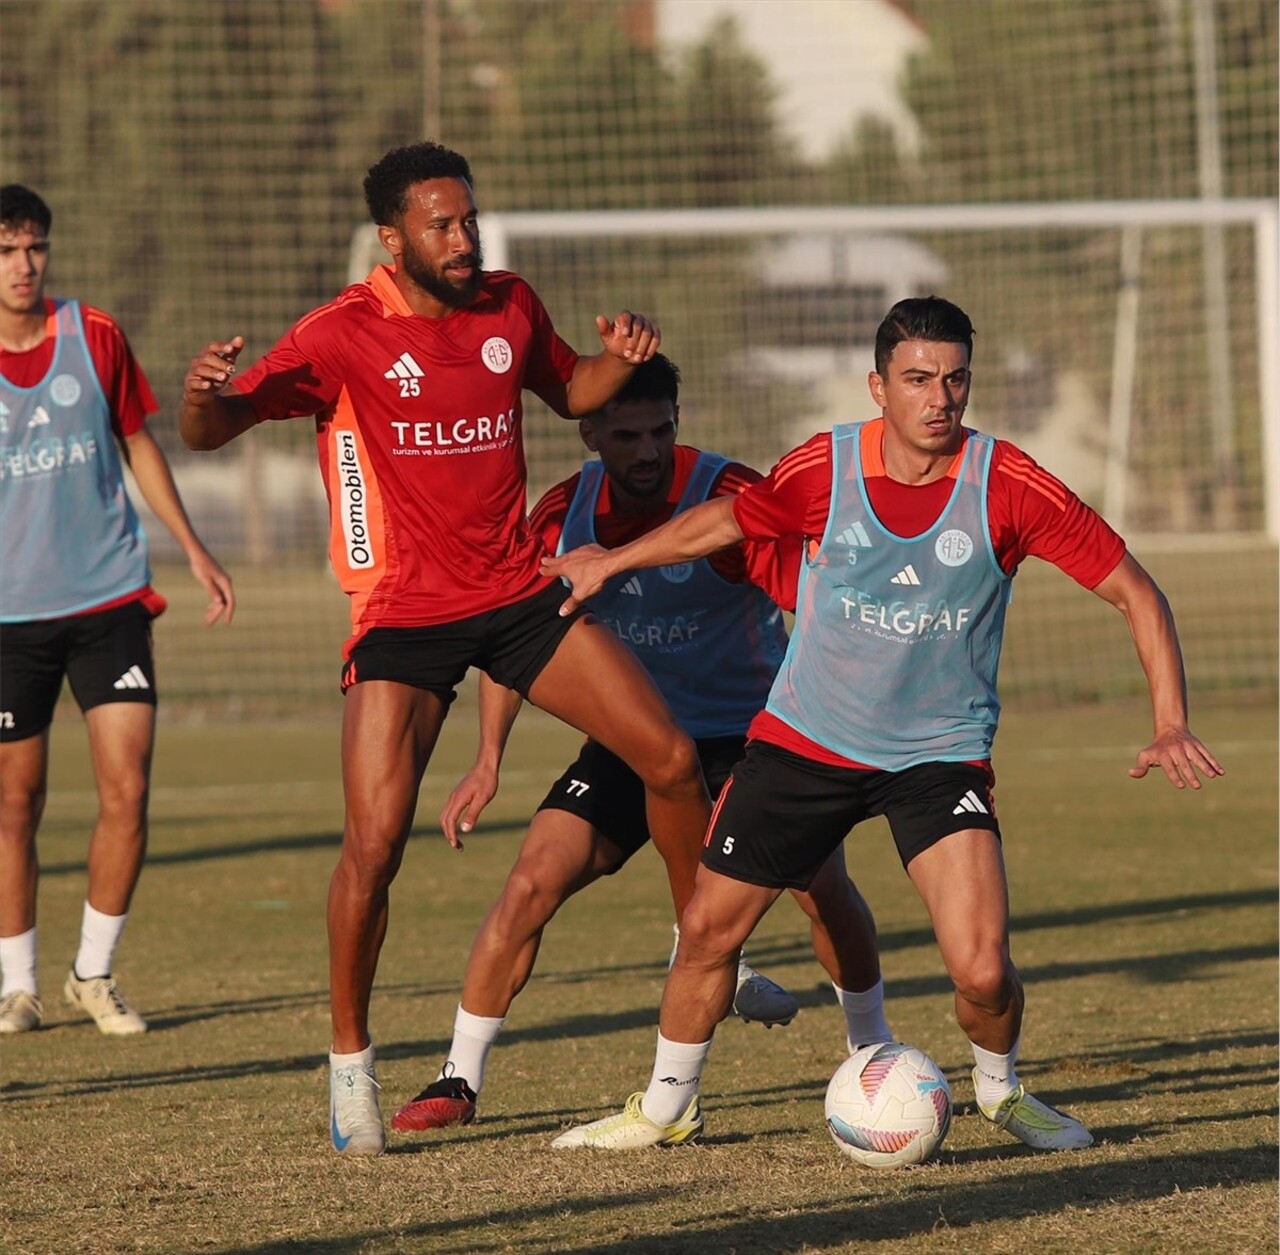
(1144, 924)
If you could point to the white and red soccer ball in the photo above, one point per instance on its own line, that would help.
(888, 1106)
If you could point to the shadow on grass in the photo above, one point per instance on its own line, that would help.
(935, 1205)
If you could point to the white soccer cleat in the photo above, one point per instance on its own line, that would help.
(20, 1012)
(100, 998)
(631, 1129)
(355, 1119)
(1036, 1123)
(761, 1000)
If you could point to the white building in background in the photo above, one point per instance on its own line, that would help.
(832, 61)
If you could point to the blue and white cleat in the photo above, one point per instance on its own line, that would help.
(355, 1119)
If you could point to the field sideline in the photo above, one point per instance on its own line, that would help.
(1144, 924)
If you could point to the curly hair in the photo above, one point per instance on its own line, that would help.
(386, 184)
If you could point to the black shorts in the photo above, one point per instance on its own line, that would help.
(604, 791)
(782, 815)
(512, 644)
(106, 655)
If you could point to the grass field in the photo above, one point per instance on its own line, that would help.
(1145, 928)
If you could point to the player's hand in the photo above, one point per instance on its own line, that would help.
(217, 583)
(1180, 755)
(631, 337)
(211, 370)
(584, 569)
(469, 797)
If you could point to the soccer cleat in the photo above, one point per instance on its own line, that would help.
(1036, 1123)
(631, 1129)
(762, 1000)
(20, 1012)
(450, 1100)
(100, 998)
(355, 1119)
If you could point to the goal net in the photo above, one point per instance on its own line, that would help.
(1094, 183)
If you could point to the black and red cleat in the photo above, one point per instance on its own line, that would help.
(450, 1100)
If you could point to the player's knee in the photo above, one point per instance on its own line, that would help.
(372, 857)
(984, 977)
(529, 899)
(122, 799)
(676, 772)
(707, 937)
(20, 814)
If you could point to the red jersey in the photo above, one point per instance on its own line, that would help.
(772, 565)
(129, 395)
(419, 435)
(1029, 513)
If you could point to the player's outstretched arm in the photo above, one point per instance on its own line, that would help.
(155, 481)
(498, 709)
(693, 534)
(626, 341)
(1174, 749)
(210, 417)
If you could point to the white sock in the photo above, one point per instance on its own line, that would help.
(864, 1015)
(99, 936)
(18, 963)
(677, 1069)
(473, 1038)
(361, 1058)
(994, 1078)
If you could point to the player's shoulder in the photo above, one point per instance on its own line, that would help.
(506, 288)
(813, 455)
(733, 477)
(352, 307)
(555, 501)
(96, 319)
(1016, 471)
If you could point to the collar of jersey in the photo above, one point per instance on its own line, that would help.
(382, 281)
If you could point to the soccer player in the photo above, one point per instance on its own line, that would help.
(712, 640)
(415, 379)
(75, 601)
(886, 703)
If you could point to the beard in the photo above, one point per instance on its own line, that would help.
(659, 485)
(437, 283)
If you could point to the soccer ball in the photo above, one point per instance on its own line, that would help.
(888, 1106)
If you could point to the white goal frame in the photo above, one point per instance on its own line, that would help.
(501, 230)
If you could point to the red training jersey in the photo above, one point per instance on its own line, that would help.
(1029, 513)
(419, 436)
(773, 565)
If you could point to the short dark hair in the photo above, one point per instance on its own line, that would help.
(19, 205)
(928, 318)
(658, 379)
(386, 184)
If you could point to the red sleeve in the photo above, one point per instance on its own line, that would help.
(129, 395)
(794, 498)
(1032, 513)
(547, 517)
(303, 373)
(772, 565)
(551, 361)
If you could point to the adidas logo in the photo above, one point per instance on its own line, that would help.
(632, 586)
(855, 537)
(906, 576)
(972, 804)
(404, 368)
(40, 418)
(132, 679)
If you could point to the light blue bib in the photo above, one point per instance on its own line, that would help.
(69, 536)
(894, 656)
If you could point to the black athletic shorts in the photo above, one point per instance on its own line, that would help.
(604, 791)
(782, 815)
(105, 655)
(512, 644)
